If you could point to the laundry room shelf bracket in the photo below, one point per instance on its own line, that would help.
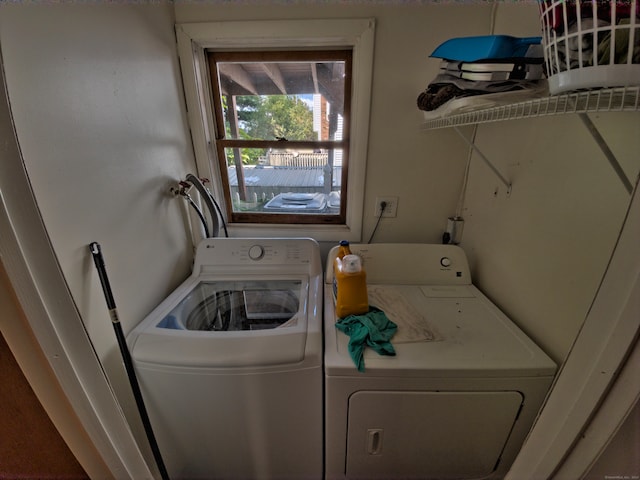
(497, 172)
(622, 99)
(613, 161)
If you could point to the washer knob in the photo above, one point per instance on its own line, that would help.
(256, 252)
(445, 261)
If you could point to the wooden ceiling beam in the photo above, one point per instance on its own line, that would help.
(275, 75)
(236, 74)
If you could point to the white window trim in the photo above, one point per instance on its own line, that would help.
(194, 38)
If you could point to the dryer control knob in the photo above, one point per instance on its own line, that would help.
(445, 261)
(256, 252)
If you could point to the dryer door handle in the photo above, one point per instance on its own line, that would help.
(374, 441)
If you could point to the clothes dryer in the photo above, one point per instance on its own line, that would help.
(460, 395)
(230, 364)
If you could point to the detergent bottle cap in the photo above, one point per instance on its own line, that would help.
(351, 264)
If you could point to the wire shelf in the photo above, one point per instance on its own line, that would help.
(623, 99)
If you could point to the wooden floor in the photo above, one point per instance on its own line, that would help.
(30, 446)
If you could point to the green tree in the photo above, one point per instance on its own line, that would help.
(268, 117)
(288, 117)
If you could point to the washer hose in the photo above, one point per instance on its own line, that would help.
(208, 200)
(199, 212)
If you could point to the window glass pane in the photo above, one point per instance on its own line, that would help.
(285, 181)
(293, 100)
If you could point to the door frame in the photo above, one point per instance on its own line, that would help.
(54, 322)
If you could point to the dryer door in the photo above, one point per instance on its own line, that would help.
(443, 435)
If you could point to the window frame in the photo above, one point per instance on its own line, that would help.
(358, 34)
(222, 143)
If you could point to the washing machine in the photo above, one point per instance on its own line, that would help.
(230, 363)
(462, 391)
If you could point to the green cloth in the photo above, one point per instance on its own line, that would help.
(621, 46)
(372, 329)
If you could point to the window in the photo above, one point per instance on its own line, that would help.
(314, 74)
(282, 137)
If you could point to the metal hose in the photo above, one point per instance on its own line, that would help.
(199, 212)
(206, 197)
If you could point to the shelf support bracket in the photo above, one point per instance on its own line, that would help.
(613, 161)
(486, 160)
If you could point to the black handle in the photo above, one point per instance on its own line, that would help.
(98, 259)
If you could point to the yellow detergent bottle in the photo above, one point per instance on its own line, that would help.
(343, 249)
(351, 282)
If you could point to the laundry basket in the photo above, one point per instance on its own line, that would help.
(590, 43)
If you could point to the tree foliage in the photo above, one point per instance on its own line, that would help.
(272, 117)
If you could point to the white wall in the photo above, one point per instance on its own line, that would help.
(541, 252)
(97, 101)
(424, 171)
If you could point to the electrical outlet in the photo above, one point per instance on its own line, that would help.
(390, 210)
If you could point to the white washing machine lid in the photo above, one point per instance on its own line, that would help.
(250, 302)
(192, 328)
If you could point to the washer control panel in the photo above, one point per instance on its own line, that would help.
(256, 251)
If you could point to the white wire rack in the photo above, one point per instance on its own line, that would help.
(623, 99)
